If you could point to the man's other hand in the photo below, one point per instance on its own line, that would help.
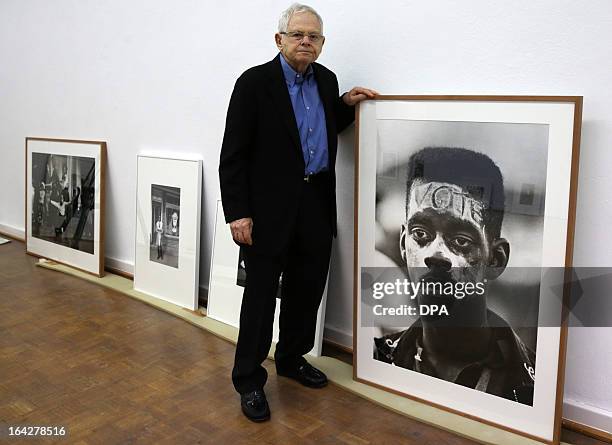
(358, 94)
(241, 230)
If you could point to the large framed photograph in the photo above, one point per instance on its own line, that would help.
(465, 209)
(168, 198)
(227, 280)
(65, 201)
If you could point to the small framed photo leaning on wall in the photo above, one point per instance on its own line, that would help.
(65, 201)
(168, 200)
(464, 212)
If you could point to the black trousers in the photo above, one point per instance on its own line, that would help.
(304, 264)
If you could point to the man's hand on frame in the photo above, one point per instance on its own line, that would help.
(241, 230)
(358, 94)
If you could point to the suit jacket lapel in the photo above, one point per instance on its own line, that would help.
(280, 95)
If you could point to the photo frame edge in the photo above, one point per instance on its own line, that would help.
(569, 262)
(356, 236)
(196, 304)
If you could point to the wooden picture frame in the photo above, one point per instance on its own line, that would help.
(430, 141)
(65, 200)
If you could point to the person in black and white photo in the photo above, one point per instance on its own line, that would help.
(165, 225)
(159, 234)
(174, 223)
(454, 210)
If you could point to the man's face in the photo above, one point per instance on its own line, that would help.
(300, 53)
(444, 238)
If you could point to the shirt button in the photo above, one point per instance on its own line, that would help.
(310, 129)
(308, 108)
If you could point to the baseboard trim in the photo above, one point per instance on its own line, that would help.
(587, 420)
(12, 232)
(337, 346)
(119, 267)
(338, 338)
(588, 431)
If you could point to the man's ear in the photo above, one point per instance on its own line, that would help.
(498, 259)
(402, 242)
(277, 39)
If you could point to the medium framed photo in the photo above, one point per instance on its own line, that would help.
(463, 204)
(65, 201)
(168, 199)
(227, 280)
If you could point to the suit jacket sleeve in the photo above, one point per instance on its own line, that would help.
(345, 114)
(240, 132)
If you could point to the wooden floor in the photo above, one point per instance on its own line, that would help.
(113, 370)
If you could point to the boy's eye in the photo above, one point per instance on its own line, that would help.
(462, 241)
(420, 234)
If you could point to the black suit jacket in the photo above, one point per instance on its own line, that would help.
(261, 168)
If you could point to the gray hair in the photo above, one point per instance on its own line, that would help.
(295, 8)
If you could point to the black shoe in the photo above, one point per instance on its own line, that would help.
(306, 374)
(255, 406)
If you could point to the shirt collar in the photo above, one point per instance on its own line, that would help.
(291, 75)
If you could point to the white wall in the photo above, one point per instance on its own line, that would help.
(156, 75)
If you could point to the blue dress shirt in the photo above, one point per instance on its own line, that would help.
(309, 115)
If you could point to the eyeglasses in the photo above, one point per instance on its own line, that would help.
(298, 36)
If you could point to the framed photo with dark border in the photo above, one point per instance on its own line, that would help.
(168, 213)
(65, 201)
(463, 207)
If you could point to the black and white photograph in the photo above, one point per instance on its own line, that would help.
(459, 206)
(448, 217)
(165, 223)
(63, 210)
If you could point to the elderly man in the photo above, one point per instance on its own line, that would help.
(452, 235)
(278, 191)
